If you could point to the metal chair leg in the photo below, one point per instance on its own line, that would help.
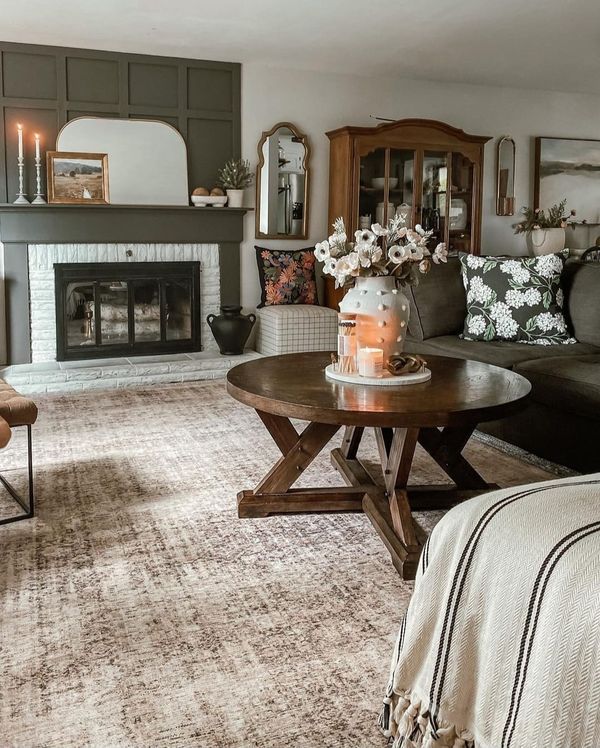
(27, 507)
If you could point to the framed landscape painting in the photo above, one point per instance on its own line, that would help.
(80, 178)
(568, 168)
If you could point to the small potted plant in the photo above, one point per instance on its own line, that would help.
(545, 231)
(234, 177)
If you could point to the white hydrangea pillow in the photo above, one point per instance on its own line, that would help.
(515, 298)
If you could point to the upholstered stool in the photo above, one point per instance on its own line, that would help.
(294, 328)
(17, 410)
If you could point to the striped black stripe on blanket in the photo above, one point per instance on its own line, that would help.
(500, 646)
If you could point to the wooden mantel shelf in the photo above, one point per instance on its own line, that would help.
(106, 224)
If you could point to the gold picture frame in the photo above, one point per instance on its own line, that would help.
(77, 178)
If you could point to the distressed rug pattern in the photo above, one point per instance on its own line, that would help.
(137, 610)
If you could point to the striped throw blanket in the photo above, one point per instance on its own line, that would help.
(500, 646)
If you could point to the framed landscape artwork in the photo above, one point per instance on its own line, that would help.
(568, 168)
(80, 178)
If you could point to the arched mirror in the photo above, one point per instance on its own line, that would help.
(282, 184)
(505, 177)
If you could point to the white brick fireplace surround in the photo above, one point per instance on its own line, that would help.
(41, 259)
(45, 374)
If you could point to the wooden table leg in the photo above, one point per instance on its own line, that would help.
(389, 512)
(274, 494)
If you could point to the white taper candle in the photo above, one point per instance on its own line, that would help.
(20, 132)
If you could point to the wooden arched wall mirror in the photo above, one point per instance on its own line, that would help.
(282, 183)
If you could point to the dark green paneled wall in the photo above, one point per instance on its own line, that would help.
(44, 87)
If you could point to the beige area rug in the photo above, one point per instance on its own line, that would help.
(137, 610)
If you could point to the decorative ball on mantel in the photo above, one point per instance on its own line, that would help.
(217, 192)
(201, 192)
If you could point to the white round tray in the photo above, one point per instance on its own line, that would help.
(387, 380)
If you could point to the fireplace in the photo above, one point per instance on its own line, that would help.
(109, 309)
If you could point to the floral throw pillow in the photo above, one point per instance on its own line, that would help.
(286, 276)
(515, 298)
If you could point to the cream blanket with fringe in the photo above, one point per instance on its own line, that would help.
(500, 646)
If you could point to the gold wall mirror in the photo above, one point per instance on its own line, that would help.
(282, 184)
(505, 177)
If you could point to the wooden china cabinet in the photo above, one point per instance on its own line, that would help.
(425, 170)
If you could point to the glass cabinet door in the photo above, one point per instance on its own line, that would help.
(447, 199)
(371, 189)
(386, 182)
(401, 183)
(460, 209)
(434, 192)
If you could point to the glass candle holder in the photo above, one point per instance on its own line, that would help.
(370, 362)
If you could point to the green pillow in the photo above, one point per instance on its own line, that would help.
(515, 298)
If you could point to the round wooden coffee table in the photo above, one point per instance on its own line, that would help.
(440, 414)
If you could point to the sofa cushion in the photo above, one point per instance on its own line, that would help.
(438, 303)
(287, 276)
(515, 299)
(581, 282)
(498, 353)
(566, 382)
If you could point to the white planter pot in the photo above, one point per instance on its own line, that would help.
(235, 198)
(382, 313)
(545, 241)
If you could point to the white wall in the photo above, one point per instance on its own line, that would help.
(317, 103)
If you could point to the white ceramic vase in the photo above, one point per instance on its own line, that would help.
(235, 198)
(382, 311)
(545, 241)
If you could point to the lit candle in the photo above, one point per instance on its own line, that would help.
(370, 362)
(20, 132)
(37, 145)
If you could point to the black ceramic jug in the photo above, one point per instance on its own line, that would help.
(231, 329)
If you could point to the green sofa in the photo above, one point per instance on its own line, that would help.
(562, 421)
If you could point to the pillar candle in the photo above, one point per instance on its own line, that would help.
(20, 132)
(370, 362)
(37, 145)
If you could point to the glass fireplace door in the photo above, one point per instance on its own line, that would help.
(126, 309)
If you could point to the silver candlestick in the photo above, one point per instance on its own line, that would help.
(21, 199)
(39, 195)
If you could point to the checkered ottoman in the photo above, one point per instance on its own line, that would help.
(294, 328)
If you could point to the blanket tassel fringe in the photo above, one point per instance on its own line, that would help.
(406, 719)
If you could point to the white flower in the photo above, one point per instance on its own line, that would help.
(322, 251)
(560, 298)
(398, 254)
(376, 254)
(478, 291)
(424, 266)
(368, 253)
(515, 299)
(416, 252)
(532, 296)
(379, 230)
(506, 326)
(338, 240)
(330, 266)
(352, 260)
(420, 230)
(547, 321)
(364, 236)
(477, 325)
(548, 265)
(440, 254)
(516, 270)
(473, 261)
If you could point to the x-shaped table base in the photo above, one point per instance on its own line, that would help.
(388, 506)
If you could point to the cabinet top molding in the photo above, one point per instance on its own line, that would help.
(406, 124)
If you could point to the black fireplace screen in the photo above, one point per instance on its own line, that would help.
(127, 309)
